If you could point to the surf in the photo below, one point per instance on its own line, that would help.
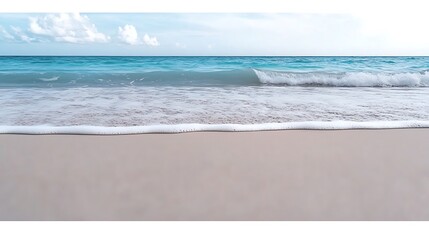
(344, 79)
(183, 128)
(218, 78)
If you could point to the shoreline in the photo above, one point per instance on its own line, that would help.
(265, 175)
(195, 127)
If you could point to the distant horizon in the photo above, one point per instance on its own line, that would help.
(214, 55)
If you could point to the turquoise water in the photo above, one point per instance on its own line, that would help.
(143, 91)
(207, 64)
(211, 71)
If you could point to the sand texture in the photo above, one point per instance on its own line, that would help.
(273, 175)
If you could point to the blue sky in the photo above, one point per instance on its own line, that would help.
(205, 34)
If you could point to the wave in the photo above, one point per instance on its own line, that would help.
(182, 128)
(346, 79)
(50, 79)
(244, 77)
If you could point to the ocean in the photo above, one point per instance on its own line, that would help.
(114, 95)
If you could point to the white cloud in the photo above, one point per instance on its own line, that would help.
(65, 27)
(20, 35)
(151, 41)
(128, 34)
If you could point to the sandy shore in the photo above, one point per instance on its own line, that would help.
(278, 175)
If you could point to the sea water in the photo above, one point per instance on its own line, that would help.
(177, 94)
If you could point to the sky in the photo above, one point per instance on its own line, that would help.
(207, 34)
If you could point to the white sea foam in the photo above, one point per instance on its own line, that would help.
(50, 79)
(349, 79)
(135, 106)
(182, 128)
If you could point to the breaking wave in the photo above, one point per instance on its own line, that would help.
(346, 79)
(221, 78)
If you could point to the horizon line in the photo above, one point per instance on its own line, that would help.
(213, 55)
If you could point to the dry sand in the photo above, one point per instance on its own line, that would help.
(278, 175)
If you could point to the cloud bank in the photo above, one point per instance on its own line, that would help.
(71, 28)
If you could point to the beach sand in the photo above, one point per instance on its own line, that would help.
(272, 175)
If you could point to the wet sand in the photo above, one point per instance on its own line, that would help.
(272, 175)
